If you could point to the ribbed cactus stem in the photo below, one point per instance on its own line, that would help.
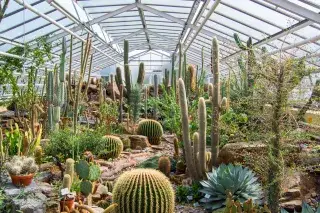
(127, 75)
(113, 96)
(202, 114)
(66, 183)
(185, 130)
(50, 87)
(166, 79)
(196, 153)
(173, 79)
(141, 74)
(120, 103)
(70, 168)
(118, 77)
(184, 71)
(126, 52)
(63, 60)
(146, 102)
(155, 90)
(215, 134)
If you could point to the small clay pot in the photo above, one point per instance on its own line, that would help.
(67, 202)
(22, 180)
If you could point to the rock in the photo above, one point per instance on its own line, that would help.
(139, 140)
(13, 191)
(32, 203)
(292, 180)
(313, 195)
(293, 193)
(53, 207)
(45, 188)
(157, 147)
(113, 87)
(292, 205)
(125, 140)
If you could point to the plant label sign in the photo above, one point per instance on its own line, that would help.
(65, 191)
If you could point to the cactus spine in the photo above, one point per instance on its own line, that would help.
(141, 74)
(66, 183)
(215, 102)
(143, 190)
(164, 165)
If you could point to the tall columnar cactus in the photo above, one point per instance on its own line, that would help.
(146, 92)
(184, 69)
(164, 165)
(180, 60)
(125, 53)
(191, 79)
(120, 103)
(118, 77)
(195, 156)
(143, 190)
(155, 90)
(173, 74)
(141, 74)
(70, 168)
(215, 134)
(152, 129)
(127, 75)
(166, 79)
(185, 131)
(50, 100)
(66, 183)
(113, 96)
(113, 147)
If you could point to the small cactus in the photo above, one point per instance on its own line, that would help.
(38, 155)
(70, 168)
(66, 182)
(176, 147)
(141, 74)
(113, 147)
(164, 165)
(21, 166)
(152, 129)
(86, 187)
(143, 190)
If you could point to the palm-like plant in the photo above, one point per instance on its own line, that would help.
(239, 181)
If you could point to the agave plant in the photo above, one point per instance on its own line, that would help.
(305, 209)
(239, 181)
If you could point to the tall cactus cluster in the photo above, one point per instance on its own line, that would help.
(143, 190)
(196, 165)
(56, 90)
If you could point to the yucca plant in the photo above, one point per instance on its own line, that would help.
(239, 181)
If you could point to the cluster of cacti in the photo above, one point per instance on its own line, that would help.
(87, 173)
(113, 147)
(21, 165)
(251, 61)
(56, 91)
(247, 207)
(164, 165)
(143, 190)
(152, 129)
(197, 168)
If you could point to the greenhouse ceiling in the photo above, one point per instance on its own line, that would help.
(282, 26)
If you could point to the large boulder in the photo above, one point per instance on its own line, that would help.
(110, 88)
(139, 141)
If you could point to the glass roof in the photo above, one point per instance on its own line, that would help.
(158, 26)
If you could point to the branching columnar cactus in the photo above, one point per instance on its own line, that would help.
(141, 74)
(152, 129)
(164, 165)
(196, 167)
(112, 147)
(143, 190)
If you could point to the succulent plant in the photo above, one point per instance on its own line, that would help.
(82, 169)
(143, 190)
(237, 180)
(305, 209)
(86, 187)
(21, 166)
(38, 154)
(94, 172)
(109, 185)
(164, 165)
(141, 74)
(248, 206)
(112, 147)
(66, 182)
(152, 129)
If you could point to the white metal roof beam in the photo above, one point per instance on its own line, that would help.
(301, 11)
(144, 23)
(93, 21)
(126, 37)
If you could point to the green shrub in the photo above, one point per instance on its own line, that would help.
(187, 194)
(89, 140)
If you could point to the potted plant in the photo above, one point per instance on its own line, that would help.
(67, 201)
(21, 170)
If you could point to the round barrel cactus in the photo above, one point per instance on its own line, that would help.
(152, 129)
(112, 147)
(143, 190)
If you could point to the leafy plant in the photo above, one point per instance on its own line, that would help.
(305, 209)
(13, 140)
(108, 116)
(187, 194)
(239, 181)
